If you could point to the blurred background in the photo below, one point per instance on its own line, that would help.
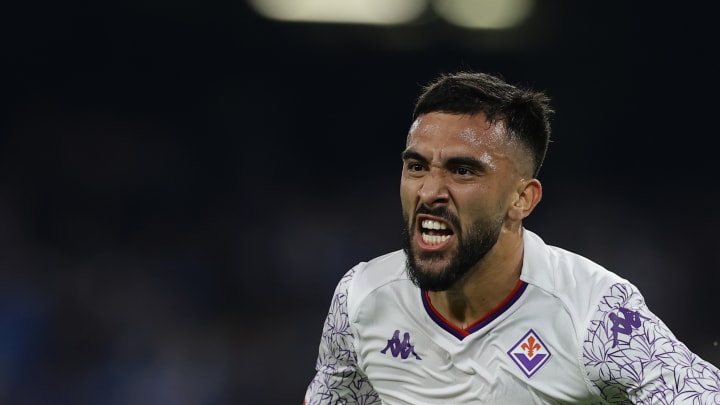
(183, 183)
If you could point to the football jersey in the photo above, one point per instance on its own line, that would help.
(571, 332)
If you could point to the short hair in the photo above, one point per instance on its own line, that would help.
(526, 112)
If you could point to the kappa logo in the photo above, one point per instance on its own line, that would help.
(626, 323)
(530, 353)
(400, 348)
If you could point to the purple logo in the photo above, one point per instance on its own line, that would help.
(625, 324)
(400, 348)
(529, 353)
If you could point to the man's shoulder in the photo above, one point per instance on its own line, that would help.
(366, 278)
(577, 283)
(559, 271)
(380, 270)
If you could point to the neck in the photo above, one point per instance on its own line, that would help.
(485, 286)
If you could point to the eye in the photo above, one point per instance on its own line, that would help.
(463, 171)
(415, 167)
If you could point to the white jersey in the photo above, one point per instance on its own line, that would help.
(571, 332)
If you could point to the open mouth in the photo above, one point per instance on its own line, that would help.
(434, 232)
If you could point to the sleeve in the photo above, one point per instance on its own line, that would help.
(338, 379)
(632, 357)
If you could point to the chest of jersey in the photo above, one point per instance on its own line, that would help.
(527, 354)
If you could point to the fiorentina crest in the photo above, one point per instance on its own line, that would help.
(529, 353)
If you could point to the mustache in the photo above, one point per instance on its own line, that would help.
(440, 212)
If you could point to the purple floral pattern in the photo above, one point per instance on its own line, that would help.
(633, 358)
(629, 354)
(338, 380)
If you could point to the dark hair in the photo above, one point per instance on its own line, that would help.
(526, 112)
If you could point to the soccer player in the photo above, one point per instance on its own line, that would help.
(478, 309)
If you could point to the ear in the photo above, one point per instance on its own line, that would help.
(528, 195)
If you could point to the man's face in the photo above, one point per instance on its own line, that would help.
(458, 176)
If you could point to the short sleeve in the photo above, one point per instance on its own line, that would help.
(338, 379)
(632, 357)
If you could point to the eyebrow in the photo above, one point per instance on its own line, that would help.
(451, 162)
(465, 161)
(412, 155)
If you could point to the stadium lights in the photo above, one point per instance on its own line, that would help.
(372, 12)
(484, 14)
(473, 14)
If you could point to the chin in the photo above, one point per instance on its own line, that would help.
(431, 275)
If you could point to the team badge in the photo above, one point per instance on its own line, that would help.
(530, 353)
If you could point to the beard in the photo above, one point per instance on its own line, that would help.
(473, 245)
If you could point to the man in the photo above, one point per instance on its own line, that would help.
(478, 309)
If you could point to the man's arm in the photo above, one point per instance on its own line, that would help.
(338, 379)
(632, 357)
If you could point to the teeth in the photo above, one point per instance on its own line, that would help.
(434, 239)
(428, 224)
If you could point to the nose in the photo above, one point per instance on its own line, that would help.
(433, 190)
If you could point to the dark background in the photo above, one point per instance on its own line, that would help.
(183, 183)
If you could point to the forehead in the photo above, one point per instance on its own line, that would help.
(455, 133)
